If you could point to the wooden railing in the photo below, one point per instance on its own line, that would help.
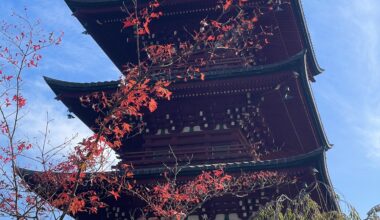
(192, 154)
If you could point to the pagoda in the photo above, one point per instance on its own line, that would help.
(216, 121)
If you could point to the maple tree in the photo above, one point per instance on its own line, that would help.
(20, 52)
(172, 200)
(141, 86)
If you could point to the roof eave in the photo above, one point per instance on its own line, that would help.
(59, 86)
(300, 17)
(296, 5)
(312, 105)
(289, 162)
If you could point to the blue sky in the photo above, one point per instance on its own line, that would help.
(345, 35)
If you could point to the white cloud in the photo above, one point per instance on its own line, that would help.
(349, 36)
(61, 128)
(78, 58)
(371, 133)
(365, 19)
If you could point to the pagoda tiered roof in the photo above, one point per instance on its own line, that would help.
(268, 108)
(103, 19)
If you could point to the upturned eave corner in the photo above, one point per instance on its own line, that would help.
(315, 68)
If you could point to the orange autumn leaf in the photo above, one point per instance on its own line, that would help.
(77, 205)
(155, 15)
(117, 131)
(226, 27)
(94, 198)
(146, 25)
(129, 186)
(218, 173)
(114, 194)
(152, 105)
(93, 210)
(216, 24)
(129, 174)
(141, 31)
(227, 5)
(117, 144)
(126, 127)
(129, 22)
(202, 76)
(162, 92)
(211, 38)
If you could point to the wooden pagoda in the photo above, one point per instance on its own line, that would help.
(217, 121)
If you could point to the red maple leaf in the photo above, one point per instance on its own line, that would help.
(129, 22)
(114, 194)
(126, 127)
(146, 25)
(216, 24)
(211, 38)
(76, 205)
(227, 5)
(152, 105)
(202, 76)
(141, 31)
(155, 15)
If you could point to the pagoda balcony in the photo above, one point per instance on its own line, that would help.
(192, 155)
